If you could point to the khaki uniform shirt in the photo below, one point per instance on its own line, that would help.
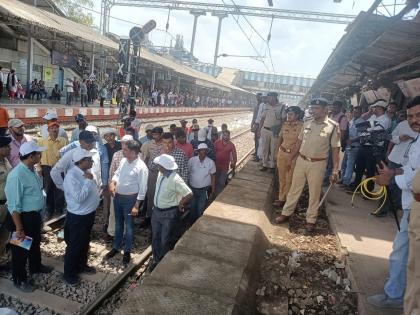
(274, 115)
(52, 153)
(290, 133)
(5, 168)
(318, 137)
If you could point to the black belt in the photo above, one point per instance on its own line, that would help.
(166, 209)
(267, 128)
(2, 202)
(202, 188)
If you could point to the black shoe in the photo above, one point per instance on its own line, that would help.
(256, 159)
(89, 270)
(263, 169)
(126, 259)
(43, 269)
(111, 253)
(25, 287)
(379, 214)
(71, 280)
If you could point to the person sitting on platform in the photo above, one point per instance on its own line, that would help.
(56, 93)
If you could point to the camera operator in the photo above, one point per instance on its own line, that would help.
(372, 149)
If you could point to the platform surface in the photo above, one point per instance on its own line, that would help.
(368, 241)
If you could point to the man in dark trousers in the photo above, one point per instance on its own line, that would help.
(82, 197)
(25, 202)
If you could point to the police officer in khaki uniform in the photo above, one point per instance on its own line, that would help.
(288, 137)
(317, 136)
(5, 168)
(271, 122)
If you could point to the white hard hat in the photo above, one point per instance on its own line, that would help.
(202, 146)
(127, 138)
(29, 147)
(166, 161)
(92, 128)
(80, 154)
(50, 115)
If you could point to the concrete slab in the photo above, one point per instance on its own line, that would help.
(198, 274)
(255, 186)
(215, 247)
(368, 242)
(224, 228)
(55, 303)
(243, 197)
(249, 176)
(166, 300)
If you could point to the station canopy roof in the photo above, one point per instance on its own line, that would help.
(26, 14)
(375, 47)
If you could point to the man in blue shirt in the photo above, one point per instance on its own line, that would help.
(25, 201)
(82, 197)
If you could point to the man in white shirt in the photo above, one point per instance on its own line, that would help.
(261, 109)
(370, 154)
(82, 197)
(202, 176)
(69, 90)
(403, 137)
(52, 117)
(171, 196)
(87, 142)
(128, 187)
(395, 286)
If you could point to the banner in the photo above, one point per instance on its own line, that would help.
(63, 60)
(410, 88)
(48, 74)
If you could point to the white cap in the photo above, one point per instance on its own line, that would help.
(80, 154)
(202, 134)
(166, 161)
(50, 115)
(92, 128)
(380, 103)
(29, 147)
(127, 138)
(202, 146)
(108, 131)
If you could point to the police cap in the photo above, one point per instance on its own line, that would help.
(295, 109)
(319, 101)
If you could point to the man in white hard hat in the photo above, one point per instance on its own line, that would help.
(82, 197)
(51, 117)
(25, 201)
(171, 196)
(202, 177)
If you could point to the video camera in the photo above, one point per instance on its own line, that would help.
(372, 137)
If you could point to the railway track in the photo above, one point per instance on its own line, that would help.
(95, 292)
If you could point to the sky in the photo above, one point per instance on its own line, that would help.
(297, 47)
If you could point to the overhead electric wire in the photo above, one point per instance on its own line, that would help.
(248, 38)
(266, 41)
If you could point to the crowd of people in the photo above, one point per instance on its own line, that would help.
(157, 176)
(380, 143)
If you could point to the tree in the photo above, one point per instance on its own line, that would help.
(75, 11)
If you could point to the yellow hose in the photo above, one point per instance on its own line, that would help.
(373, 195)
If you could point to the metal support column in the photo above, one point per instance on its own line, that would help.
(30, 58)
(196, 15)
(216, 51)
(152, 85)
(92, 60)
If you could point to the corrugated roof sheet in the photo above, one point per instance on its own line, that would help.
(53, 22)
